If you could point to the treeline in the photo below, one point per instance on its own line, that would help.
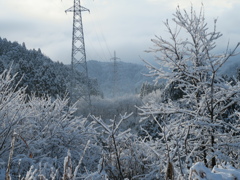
(38, 72)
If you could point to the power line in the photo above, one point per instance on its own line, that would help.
(98, 39)
(100, 35)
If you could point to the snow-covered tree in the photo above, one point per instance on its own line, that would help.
(201, 123)
(148, 88)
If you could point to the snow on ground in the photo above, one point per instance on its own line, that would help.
(200, 172)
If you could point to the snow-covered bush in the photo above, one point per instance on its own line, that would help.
(148, 88)
(45, 129)
(224, 172)
(149, 126)
(124, 155)
(50, 131)
(13, 111)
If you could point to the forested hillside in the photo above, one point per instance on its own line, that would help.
(37, 72)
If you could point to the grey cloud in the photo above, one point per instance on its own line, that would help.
(125, 26)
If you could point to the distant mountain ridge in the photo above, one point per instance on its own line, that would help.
(129, 77)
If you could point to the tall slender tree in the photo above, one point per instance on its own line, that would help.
(198, 125)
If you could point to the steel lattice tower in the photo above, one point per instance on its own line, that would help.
(78, 56)
(115, 74)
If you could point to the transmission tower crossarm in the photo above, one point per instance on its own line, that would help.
(71, 9)
(115, 57)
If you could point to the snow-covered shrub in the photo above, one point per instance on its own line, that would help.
(13, 111)
(149, 126)
(45, 129)
(124, 155)
(49, 132)
(148, 88)
(200, 172)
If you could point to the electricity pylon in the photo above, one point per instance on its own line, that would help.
(115, 75)
(78, 57)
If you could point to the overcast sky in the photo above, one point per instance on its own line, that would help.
(124, 26)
